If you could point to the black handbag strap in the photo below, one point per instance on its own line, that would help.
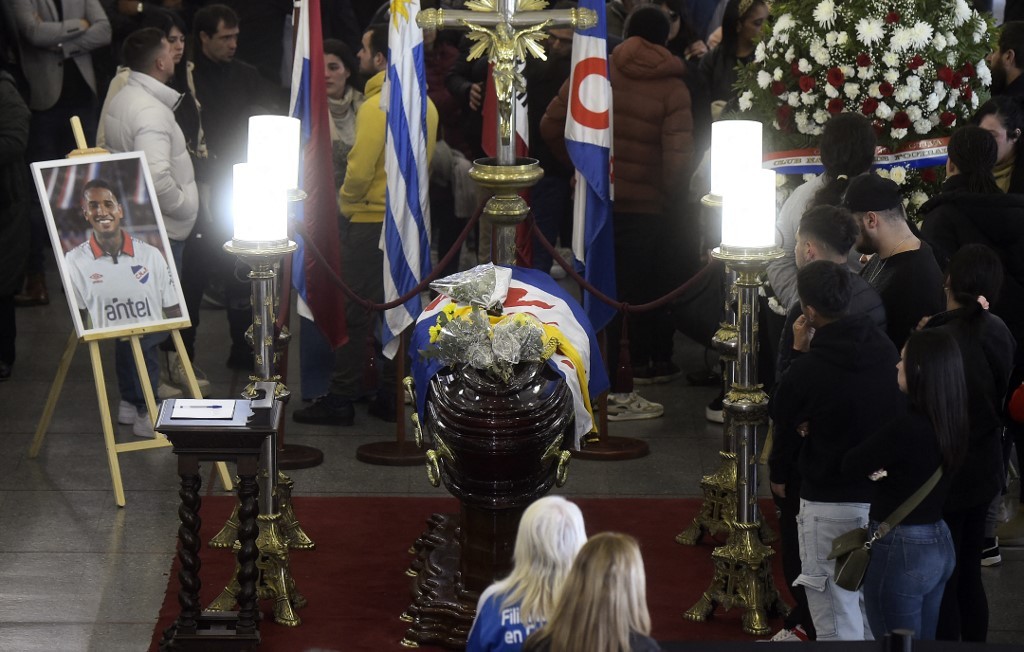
(908, 506)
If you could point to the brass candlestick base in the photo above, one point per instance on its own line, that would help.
(718, 510)
(275, 583)
(293, 533)
(743, 578)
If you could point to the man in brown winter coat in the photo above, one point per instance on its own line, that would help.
(653, 152)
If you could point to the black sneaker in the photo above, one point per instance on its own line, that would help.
(328, 410)
(990, 553)
(713, 412)
(383, 407)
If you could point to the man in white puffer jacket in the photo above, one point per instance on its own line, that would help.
(141, 117)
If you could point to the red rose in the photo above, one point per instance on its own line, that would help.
(928, 175)
(777, 88)
(945, 75)
(869, 106)
(806, 83)
(835, 77)
(892, 17)
(886, 89)
(784, 115)
(966, 92)
(966, 70)
(835, 105)
(916, 62)
(901, 120)
(794, 68)
(863, 60)
(947, 118)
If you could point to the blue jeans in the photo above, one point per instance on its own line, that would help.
(838, 614)
(906, 578)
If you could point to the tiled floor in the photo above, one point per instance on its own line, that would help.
(77, 573)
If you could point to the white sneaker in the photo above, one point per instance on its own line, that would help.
(166, 391)
(176, 373)
(632, 407)
(143, 427)
(126, 413)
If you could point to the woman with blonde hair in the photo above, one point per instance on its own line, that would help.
(550, 534)
(602, 606)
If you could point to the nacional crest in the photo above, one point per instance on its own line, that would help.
(141, 273)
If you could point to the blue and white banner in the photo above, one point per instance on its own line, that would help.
(588, 137)
(405, 239)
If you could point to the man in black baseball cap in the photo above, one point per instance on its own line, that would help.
(902, 267)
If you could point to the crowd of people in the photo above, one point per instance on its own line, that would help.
(892, 360)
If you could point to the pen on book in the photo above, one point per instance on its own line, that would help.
(199, 407)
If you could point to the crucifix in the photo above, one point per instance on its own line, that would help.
(506, 31)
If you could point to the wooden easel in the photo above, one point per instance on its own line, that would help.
(93, 340)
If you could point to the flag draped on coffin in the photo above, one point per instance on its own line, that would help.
(534, 292)
(319, 296)
(588, 137)
(405, 240)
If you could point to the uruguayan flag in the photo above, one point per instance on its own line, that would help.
(405, 239)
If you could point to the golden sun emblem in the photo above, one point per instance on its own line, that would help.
(400, 8)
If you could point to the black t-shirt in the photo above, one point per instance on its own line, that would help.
(910, 284)
(908, 450)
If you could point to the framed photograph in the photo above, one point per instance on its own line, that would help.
(110, 244)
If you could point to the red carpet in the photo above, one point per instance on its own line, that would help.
(356, 584)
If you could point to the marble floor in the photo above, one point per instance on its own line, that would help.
(78, 573)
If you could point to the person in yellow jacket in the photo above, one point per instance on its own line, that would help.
(362, 203)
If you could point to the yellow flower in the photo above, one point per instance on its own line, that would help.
(449, 310)
(435, 332)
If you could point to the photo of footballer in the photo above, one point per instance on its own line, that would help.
(110, 243)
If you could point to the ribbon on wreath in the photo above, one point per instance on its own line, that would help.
(925, 153)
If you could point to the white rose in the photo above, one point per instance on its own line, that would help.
(851, 90)
(764, 78)
(882, 172)
(898, 173)
(917, 198)
(745, 100)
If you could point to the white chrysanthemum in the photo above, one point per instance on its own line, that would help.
(770, 45)
(825, 14)
(790, 54)
(917, 198)
(873, 90)
(869, 31)
(851, 90)
(980, 28)
(842, 38)
(759, 52)
(922, 127)
(804, 66)
(763, 78)
(921, 33)
(914, 112)
(961, 12)
(939, 42)
(898, 173)
(783, 37)
(831, 92)
(830, 38)
(793, 99)
(901, 95)
(984, 74)
(882, 172)
(777, 74)
(901, 40)
(746, 100)
(883, 111)
(890, 59)
(783, 23)
(809, 98)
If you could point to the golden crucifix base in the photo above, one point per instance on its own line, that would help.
(719, 507)
(293, 533)
(743, 578)
(275, 581)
